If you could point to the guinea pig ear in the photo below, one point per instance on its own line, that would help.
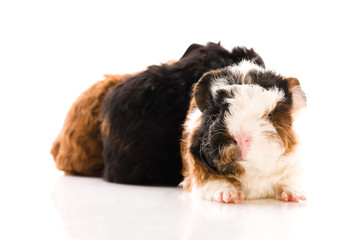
(190, 49)
(201, 89)
(299, 100)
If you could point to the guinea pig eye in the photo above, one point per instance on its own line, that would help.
(270, 116)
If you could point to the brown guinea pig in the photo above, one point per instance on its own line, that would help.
(78, 149)
(238, 140)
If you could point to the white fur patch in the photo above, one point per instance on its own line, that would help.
(240, 69)
(246, 115)
(244, 67)
(248, 106)
(286, 175)
(192, 120)
(218, 84)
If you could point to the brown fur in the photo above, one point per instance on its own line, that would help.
(228, 155)
(201, 89)
(292, 82)
(78, 148)
(282, 121)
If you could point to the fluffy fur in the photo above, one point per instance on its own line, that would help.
(142, 117)
(238, 140)
(78, 149)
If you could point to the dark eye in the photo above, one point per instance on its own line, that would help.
(270, 116)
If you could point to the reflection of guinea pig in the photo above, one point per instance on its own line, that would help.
(142, 116)
(238, 140)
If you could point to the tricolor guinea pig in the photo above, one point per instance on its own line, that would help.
(238, 140)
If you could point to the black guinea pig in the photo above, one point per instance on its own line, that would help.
(142, 117)
(238, 140)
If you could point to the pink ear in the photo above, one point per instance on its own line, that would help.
(299, 100)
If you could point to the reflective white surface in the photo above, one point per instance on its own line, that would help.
(50, 52)
(89, 208)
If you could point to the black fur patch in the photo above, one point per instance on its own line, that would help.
(270, 80)
(146, 111)
(212, 134)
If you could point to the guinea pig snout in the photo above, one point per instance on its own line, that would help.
(244, 141)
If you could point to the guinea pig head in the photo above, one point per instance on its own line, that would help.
(247, 117)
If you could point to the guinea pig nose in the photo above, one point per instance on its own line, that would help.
(243, 139)
(244, 142)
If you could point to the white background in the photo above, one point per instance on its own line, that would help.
(51, 51)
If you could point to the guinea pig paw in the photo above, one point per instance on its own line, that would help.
(289, 196)
(229, 197)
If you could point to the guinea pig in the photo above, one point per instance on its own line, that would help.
(238, 139)
(78, 148)
(142, 117)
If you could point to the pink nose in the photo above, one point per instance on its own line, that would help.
(244, 142)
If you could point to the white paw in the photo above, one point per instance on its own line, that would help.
(220, 191)
(229, 197)
(290, 196)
